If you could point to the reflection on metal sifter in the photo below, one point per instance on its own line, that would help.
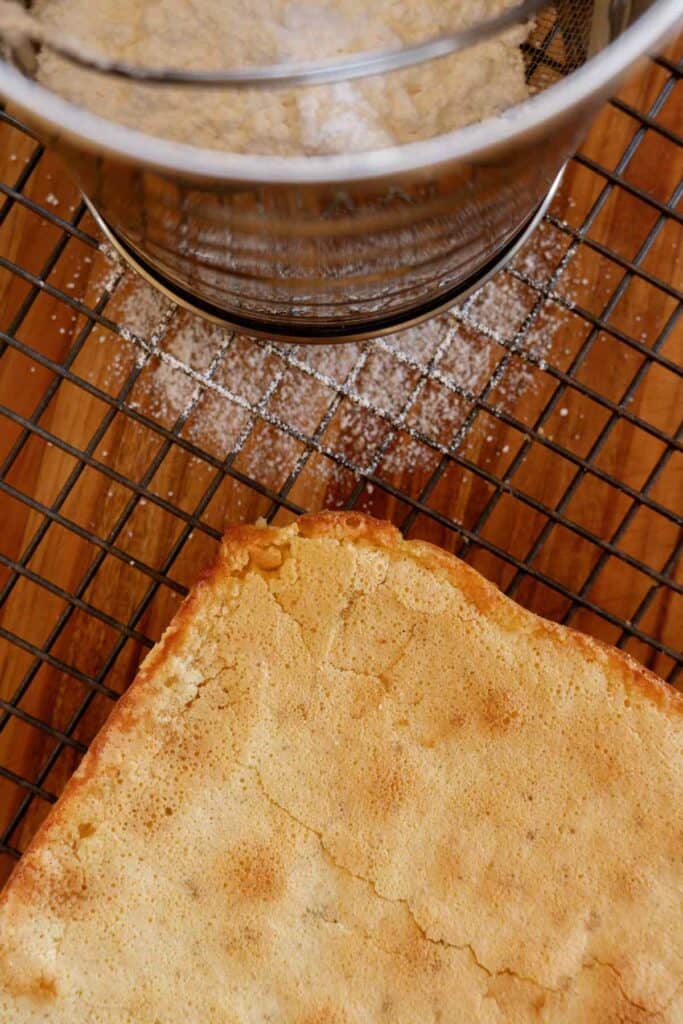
(333, 247)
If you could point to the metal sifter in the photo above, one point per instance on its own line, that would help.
(321, 248)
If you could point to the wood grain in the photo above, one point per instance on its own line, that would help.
(112, 590)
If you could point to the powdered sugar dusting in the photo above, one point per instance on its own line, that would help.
(368, 408)
(114, 267)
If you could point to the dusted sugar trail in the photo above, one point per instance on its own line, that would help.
(355, 784)
(405, 106)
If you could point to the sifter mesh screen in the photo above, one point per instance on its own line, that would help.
(564, 36)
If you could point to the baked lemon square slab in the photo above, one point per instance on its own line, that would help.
(353, 783)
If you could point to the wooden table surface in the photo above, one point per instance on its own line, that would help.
(62, 643)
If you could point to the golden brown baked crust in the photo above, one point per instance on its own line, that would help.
(355, 783)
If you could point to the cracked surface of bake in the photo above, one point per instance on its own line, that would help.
(354, 783)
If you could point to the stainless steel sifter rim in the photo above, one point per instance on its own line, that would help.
(61, 119)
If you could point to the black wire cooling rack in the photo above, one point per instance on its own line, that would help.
(534, 431)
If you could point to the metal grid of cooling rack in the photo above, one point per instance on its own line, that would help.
(435, 429)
